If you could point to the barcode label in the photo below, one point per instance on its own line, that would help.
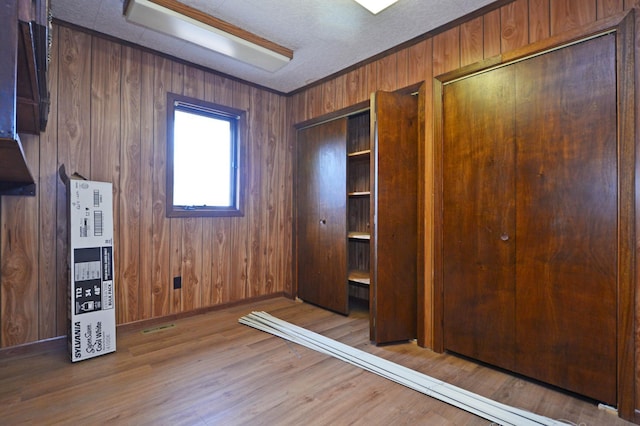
(96, 198)
(97, 223)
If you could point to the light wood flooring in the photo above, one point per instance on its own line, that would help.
(210, 370)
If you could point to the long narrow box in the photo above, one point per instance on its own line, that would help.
(92, 320)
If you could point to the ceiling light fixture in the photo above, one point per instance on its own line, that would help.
(376, 6)
(189, 24)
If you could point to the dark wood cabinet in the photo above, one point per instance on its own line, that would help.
(356, 214)
(530, 211)
(24, 97)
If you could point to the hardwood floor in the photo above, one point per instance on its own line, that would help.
(210, 370)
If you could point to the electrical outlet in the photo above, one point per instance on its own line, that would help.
(177, 283)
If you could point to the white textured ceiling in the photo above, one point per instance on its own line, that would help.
(326, 36)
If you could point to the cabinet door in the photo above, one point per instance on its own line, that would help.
(321, 215)
(393, 302)
(479, 217)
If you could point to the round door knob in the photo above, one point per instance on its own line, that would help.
(323, 221)
(504, 237)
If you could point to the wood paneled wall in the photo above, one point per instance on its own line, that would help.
(514, 25)
(108, 123)
(501, 30)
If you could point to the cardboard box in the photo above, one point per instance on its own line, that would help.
(92, 319)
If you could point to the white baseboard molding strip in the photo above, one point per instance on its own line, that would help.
(476, 404)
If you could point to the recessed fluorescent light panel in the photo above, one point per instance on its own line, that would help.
(376, 6)
(189, 24)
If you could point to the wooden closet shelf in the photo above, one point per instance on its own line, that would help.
(360, 277)
(358, 154)
(359, 236)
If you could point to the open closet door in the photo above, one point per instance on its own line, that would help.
(393, 301)
(321, 217)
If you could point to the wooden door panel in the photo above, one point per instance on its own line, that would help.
(321, 215)
(479, 217)
(551, 315)
(394, 238)
(566, 218)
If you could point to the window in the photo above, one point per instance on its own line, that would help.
(203, 158)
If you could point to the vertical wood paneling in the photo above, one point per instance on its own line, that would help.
(314, 105)
(514, 25)
(255, 188)
(446, 51)
(105, 136)
(297, 106)
(50, 323)
(129, 237)
(492, 38)
(235, 252)
(355, 86)
(372, 79)
(161, 229)
(18, 266)
(217, 231)
(637, 224)
(176, 224)
(270, 212)
(192, 243)
(340, 93)
(418, 62)
(105, 113)
(471, 41)
(240, 228)
(285, 201)
(191, 264)
(608, 8)
(108, 122)
(539, 24)
(222, 264)
(386, 73)
(328, 97)
(232, 256)
(402, 68)
(61, 299)
(147, 128)
(73, 141)
(74, 108)
(569, 14)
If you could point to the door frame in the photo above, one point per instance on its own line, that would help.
(431, 300)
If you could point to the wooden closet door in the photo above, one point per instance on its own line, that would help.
(321, 215)
(394, 239)
(479, 217)
(567, 218)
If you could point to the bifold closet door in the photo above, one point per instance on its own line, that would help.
(530, 205)
(394, 238)
(321, 215)
(479, 217)
(566, 211)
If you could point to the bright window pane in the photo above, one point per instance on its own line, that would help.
(202, 161)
